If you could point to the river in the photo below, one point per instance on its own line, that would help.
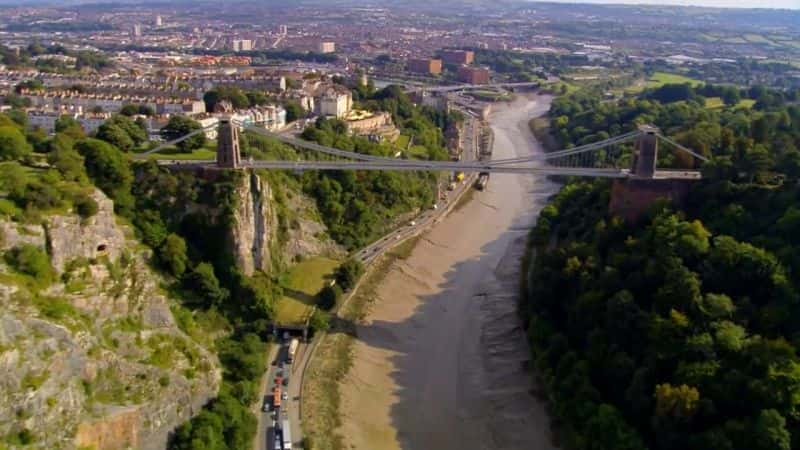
(440, 361)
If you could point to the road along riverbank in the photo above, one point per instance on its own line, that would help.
(440, 361)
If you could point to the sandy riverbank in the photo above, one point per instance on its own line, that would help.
(440, 361)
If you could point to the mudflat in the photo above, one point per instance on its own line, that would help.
(440, 361)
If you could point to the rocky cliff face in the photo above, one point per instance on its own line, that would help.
(95, 359)
(254, 226)
(307, 235)
(71, 236)
(254, 233)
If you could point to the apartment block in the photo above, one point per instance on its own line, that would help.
(425, 66)
(458, 57)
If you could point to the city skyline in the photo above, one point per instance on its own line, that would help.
(774, 4)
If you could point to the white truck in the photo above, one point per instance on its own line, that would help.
(292, 350)
(286, 431)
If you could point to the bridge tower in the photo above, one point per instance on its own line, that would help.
(632, 196)
(228, 155)
(645, 153)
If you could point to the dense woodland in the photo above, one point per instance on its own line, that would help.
(680, 331)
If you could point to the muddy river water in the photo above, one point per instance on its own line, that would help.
(440, 361)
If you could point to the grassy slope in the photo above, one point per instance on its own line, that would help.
(199, 154)
(304, 281)
(661, 78)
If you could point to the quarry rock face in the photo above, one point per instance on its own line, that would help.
(96, 358)
(254, 225)
(71, 236)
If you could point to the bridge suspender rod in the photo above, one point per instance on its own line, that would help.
(175, 141)
(679, 146)
(317, 147)
(560, 153)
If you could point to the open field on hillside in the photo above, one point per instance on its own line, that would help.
(304, 281)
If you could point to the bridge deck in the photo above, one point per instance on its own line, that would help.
(438, 166)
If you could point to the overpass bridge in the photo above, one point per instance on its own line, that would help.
(603, 159)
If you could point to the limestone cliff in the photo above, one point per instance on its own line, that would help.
(254, 233)
(307, 235)
(96, 358)
(254, 225)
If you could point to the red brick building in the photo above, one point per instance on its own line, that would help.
(473, 75)
(425, 66)
(458, 57)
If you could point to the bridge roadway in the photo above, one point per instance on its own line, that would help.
(437, 166)
(461, 87)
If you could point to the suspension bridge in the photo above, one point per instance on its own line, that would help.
(606, 159)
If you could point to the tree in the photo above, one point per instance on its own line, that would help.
(319, 321)
(30, 85)
(69, 126)
(31, 260)
(136, 131)
(109, 169)
(66, 159)
(293, 111)
(348, 273)
(729, 336)
(678, 402)
(179, 126)
(122, 132)
(173, 254)
(19, 117)
(328, 296)
(13, 144)
(232, 94)
(770, 433)
(115, 136)
(204, 282)
(64, 122)
(85, 206)
(151, 227)
(129, 110)
(606, 429)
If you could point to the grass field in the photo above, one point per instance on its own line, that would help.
(661, 78)
(490, 96)
(402, 141)
(199, 154)
(757, 39)
(304, 281)
(714, 103)
(556, 87)
(418, 151)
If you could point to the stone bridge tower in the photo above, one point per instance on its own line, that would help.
(645, 153)
(228, 155)
(632, 196)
